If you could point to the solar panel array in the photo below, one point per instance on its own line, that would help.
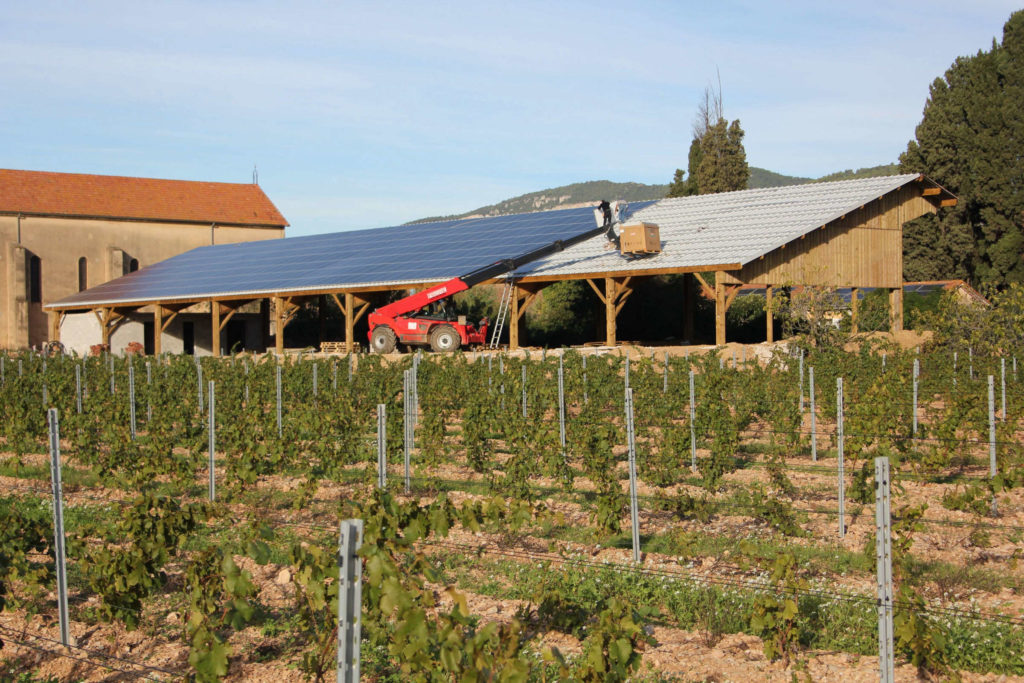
(406, 254)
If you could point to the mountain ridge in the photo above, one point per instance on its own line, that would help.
(587, 192)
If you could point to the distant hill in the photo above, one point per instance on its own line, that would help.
(760, 177)
(870, 172)
(583, 194)
(565, 197)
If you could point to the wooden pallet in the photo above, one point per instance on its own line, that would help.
(332, 347)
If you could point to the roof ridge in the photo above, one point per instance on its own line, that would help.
(123, 177)
(791, 188)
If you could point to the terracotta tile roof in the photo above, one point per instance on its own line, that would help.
(100, 196)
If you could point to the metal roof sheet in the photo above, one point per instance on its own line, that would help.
(405, 254)
(725, 228)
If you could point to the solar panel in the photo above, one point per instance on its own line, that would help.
(406, 254)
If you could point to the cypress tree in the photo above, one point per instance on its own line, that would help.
(723, 164)
(971, 141)
(685, 184)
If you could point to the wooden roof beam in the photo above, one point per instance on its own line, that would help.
(600, 294)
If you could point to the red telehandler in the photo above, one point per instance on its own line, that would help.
(423, 318)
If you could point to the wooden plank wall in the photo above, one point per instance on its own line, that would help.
(862, 249)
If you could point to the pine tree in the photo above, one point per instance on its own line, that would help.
(971, 141)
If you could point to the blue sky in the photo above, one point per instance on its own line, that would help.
(366, 114)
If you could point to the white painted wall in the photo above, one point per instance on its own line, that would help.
(79, 331)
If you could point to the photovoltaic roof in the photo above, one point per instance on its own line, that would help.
(406, 254)
(727, 229)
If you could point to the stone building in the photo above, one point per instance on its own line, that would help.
(62, 233)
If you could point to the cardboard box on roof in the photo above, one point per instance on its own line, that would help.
(640, 238)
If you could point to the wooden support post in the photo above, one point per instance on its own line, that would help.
(162, 319)
(610, 292)
(279, 325)
(110, 319)
(522, 297)
(616, 291)
(215, 328)
(104, 328)
(158, 328)
(513, 323)
(720, 308)
(350, 322)
(769, 310)
(854, 306)
(352, 316)
(896, 308)
(55, 320)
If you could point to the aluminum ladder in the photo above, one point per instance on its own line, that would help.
(506, 302)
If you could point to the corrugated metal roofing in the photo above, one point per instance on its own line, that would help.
(406, 254)
(119, 197)
(725, 228)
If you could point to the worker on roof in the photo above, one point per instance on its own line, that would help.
(610, 233)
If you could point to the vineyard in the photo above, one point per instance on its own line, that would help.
(201, 503)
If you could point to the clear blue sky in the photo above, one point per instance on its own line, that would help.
(363, 114)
